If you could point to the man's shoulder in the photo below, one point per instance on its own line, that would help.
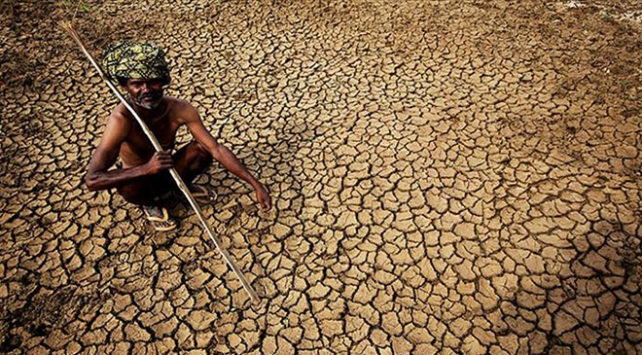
(120, 113)
(178, 104)
(120, 118)
(180, 108)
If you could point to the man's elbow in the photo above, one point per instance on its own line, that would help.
(91, 183)
(215, 151)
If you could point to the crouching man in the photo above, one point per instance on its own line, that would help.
(142, 72)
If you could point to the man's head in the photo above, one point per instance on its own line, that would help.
(140, 68)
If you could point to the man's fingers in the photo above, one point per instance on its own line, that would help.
(263, 199)
(265, 206)
(164, 159)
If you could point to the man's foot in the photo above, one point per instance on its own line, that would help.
(159, 218)
(202, 195)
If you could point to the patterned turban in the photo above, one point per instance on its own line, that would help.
(130, 60)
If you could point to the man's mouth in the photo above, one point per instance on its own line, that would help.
(152, 96)
(149, 100)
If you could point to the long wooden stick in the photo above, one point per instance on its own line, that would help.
(181, 185)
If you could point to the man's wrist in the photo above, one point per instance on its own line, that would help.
(256, 184)
(143, 170)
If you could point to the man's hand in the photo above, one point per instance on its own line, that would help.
(263, 197)
(160, 161)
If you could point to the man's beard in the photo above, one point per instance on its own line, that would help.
(155, 96)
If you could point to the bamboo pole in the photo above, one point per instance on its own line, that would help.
(179, 182)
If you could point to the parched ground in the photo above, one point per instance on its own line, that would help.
(448, 177)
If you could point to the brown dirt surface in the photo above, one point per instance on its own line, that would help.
(448, 177)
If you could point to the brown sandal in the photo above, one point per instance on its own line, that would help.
(159, 218)
(202, 195)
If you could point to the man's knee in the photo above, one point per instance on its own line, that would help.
(199, 156)
(200, 150)
(132, 193)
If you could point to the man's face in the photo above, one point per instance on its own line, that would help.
(145, 93)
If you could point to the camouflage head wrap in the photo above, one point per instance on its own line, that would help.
(130, 60)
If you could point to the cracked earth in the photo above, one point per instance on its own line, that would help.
(448, 177)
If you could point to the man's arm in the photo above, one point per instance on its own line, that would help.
(223, 155)
(99, 177)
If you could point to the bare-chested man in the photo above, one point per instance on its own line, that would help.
(141, 70)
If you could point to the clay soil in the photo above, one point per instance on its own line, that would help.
(447, 176)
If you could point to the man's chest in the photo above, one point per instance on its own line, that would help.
(164, 130)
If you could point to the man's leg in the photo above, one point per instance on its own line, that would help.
(189, 161)
(145, 193)
(192, 160)
(147, 189)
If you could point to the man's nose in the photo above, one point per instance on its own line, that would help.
(144, 88)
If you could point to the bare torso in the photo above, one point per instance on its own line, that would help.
(137, 149)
